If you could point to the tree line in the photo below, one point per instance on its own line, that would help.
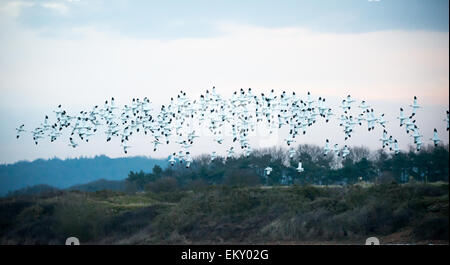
(431, 164)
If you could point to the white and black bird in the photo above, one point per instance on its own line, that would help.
(20, 130)
(300, 168)
(415, 106)
(268, 170)
(188, 159)
(172, 159)
(242, 113)
(435, 138)
(292, 153)
(402, 117)
(326, 149)
(396, 148)
(345, 151)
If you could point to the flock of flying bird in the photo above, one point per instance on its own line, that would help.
(242, 112)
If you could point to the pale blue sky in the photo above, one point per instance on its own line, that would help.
(196, 18)
(78, 53)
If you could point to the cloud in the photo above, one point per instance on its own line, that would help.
(386, 68)
(384, 65)
(56, 6)
(169, 20)
(13, 8)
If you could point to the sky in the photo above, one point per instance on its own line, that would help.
(79, 53)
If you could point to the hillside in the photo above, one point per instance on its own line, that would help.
(65, 173)
(395, 213)
(45, 190)
(101, 184)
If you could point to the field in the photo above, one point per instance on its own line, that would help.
(396, 214)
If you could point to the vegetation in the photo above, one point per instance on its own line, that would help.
(396, 213)
(65, 173)
(398, 198)
(431, 164)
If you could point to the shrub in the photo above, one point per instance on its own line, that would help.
(242, 177)
(166, 184)
(432, 228)
(76, 216)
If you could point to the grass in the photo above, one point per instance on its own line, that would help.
(212, 215)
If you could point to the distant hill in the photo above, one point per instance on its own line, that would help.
(101, 184)
(43, 189)
(69, 172)
(35, 190)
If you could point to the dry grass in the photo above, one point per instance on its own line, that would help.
(410, 213)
